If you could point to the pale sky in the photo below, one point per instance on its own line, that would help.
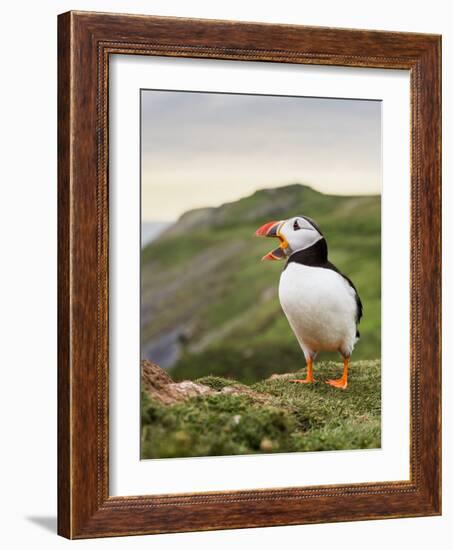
(204, 149)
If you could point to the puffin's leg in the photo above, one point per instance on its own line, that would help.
(309, 378)
(342, 382)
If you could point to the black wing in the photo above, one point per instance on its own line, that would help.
(358, 301)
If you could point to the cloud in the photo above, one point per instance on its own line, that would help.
(229, 145)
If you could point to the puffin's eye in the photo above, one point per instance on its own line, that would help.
(296, 225)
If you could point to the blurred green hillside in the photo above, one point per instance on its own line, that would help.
(208, 297)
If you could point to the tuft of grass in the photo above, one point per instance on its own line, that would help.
(216, 382)
(294, 418)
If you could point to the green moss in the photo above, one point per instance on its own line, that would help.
(214, 425)
(292, 418)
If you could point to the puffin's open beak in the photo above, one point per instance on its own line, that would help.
(271, 229)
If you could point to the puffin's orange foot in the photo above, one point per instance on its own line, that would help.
(305, 381)
(341, 383)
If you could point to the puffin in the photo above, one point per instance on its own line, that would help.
(321, 304)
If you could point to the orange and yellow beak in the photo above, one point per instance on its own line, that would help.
(271, 229)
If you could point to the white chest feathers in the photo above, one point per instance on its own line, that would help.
(321, 308)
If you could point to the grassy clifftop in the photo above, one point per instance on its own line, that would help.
(207, 296)
(270, 416)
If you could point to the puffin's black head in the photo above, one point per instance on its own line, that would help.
(294, 234)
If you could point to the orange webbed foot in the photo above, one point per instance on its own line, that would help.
(340, 383)
(309, 378)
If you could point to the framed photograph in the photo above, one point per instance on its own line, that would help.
(249, 275)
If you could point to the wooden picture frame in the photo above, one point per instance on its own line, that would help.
(85, 42)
